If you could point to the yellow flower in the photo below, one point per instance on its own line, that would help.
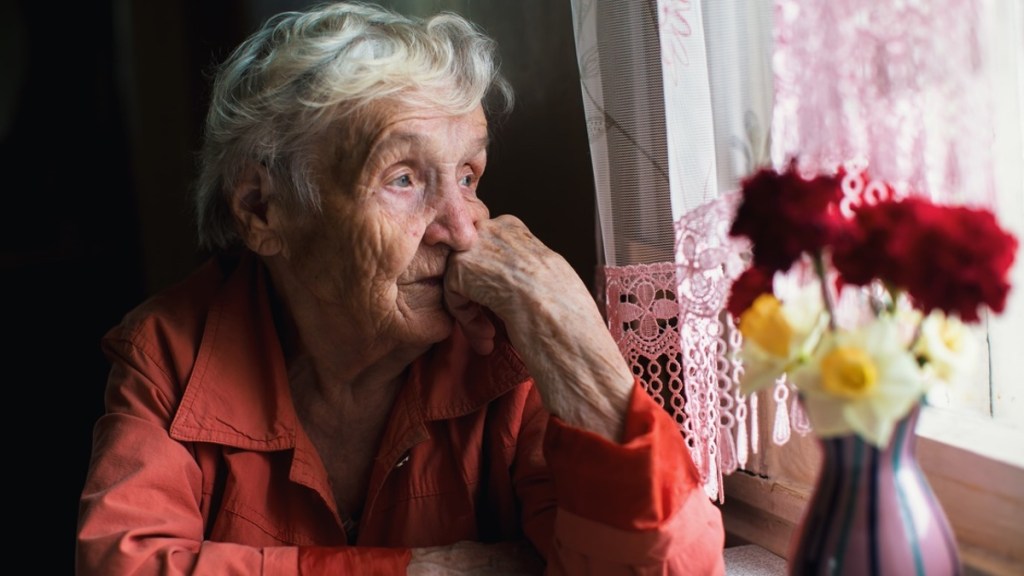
(860, 381)
(778, 335)
(765, 324)
(849, 372)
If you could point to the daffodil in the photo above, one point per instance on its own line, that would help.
(778, 335)
(860, 381)
(947, 348)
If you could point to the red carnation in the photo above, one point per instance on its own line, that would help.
(785, 215)
(951, 258)
(753, 282)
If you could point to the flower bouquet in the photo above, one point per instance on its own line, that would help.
(863, 305)
(861, 296)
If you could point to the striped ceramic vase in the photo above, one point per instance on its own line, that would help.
(873, 513)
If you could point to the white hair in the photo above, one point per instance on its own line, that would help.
(303, 72)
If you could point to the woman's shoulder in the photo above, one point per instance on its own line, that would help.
(165, 331)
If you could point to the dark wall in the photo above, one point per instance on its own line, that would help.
(71, 256)
(100, 111)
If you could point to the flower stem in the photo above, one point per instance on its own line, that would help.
(826, 294)
(894, 295)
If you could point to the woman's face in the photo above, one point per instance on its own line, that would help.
(399, 195)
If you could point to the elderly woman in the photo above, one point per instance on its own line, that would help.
(372, 375)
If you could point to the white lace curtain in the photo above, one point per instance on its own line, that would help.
(684, 98)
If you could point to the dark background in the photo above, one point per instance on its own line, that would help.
(101, 105)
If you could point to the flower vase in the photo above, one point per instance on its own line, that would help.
(873, 512)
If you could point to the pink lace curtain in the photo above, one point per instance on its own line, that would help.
(685, 98)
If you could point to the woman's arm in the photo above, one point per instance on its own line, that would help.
(551, 319)
(629, 498)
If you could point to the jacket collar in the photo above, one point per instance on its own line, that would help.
(238, 392)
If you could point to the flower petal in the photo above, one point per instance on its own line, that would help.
(826, 415)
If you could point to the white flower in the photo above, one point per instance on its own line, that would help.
(860, 381)
(948, 348)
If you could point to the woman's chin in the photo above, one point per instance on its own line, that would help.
(430, 326)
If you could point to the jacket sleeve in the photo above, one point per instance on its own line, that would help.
(630, 508)
(141, 507)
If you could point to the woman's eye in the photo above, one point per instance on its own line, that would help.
(403, 181)
(466, 180)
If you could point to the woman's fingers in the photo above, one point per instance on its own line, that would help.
(477, 327)
(508, 268)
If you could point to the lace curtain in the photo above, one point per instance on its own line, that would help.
(685, 98)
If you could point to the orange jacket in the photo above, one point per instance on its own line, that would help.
(200, 466)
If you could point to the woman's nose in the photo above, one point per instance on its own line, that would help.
(456, 215)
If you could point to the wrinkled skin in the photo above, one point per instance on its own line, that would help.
(374, 261)
(403, 249)
(551, 319)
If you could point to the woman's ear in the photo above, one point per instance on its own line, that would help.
(258, 217)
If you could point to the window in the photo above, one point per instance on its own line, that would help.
(717, 63)
(999, 393)
(970, 440)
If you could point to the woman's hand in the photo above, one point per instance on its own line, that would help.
(473, 558)
(551, 319)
